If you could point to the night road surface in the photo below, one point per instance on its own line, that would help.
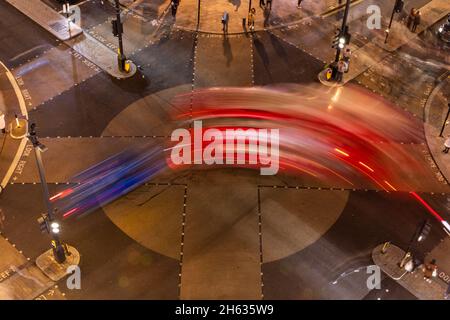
(352, 156)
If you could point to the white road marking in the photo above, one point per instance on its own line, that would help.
(24, 111)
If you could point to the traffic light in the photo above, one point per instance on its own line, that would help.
(346, 36)
(117, 27)
(424, 231)
(341, 38)
(399, 4)
(43, 223)
(337, 35)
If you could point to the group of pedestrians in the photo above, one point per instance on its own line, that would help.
(343, 64)
(414, 19)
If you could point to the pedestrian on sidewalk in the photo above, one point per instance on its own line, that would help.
(446, 145)
(174, 7)
(430, 270)
(410, 19)
(251, 19)
(299, 4)
(225, 18)
(341, 66)
(269, 4)
(346, 57)
(417, 20)
(2, 123)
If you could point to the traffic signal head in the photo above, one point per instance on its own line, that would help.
(424, 231)
(342, 42)
(117, 27)
(336, 37)
(43, 223)
(399, 4)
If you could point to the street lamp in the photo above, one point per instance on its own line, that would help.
(117, 32)
(47, 221)
(445, 121)
(343, 39)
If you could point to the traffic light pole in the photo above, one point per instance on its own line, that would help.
(422, 231)
(58, 250)
(121, 58)
(338, 49)
(390, 22)
(445, 121)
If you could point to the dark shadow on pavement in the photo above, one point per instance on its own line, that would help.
(279, 49)
(227, 50)
(236, 3)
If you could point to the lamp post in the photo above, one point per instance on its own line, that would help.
(445, 121)
(343, 39)
(398, 7)
(421, 233)
(118, 31)
(47, 221)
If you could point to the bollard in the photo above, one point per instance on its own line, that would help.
(385, 247)
(404, 260)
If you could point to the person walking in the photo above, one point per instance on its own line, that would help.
(2, 123)
(269, 4)
(251, 19)
(410, 19)
(417, 20)
(446, 145)
(341, 66)
(225, 18)
(430, 270)
(174, 7)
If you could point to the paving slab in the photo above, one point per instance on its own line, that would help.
(294, 219)
(221, 241)
(25, 284)
(66, 157)
(413, 282)
(230, 66)
(46, 17)
(152, 216)
(10, 257)
(52, 73)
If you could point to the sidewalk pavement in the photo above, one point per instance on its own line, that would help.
(400, 34)
(435, 111)
(283, 12)
(20, 279)
(82, 43)
(373, 52)
(413, 282)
